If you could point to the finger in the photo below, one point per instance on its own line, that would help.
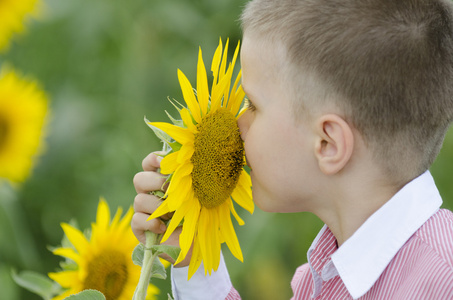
(145, 182)
(152, 161)
(146, 203)
(139, 225)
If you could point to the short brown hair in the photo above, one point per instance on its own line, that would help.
(392, 60)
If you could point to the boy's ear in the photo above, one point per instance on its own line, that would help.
(334, 143)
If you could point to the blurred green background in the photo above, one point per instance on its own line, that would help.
(105, 65)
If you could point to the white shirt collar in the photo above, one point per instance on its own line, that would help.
(365, 255)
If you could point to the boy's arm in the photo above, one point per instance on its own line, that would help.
(200, 287)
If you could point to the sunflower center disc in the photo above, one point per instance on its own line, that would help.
(218, 158)
(107, 273)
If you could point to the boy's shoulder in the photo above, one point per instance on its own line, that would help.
(437, 235)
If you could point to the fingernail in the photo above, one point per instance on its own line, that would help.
(163, 227)
(159, 158)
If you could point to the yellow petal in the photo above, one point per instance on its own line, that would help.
(176, 199)
(116, 218)
(224, 60)
(181, 135)
(230, 74)
(202, 85)
(169, 163)
(236, 52)
(242, 194)
(189, 96)
(185, 153)
(237, 96)
(184, 169)
(195, 261)
(215, 239)
(228, 233)
(218, 92)
(161, 210)
(189, 228)
(187, 119)
(176, 219)
(68, 253)
(215, 63)
(233, 212)
(180, 177)
(76, 237)
(66, 278)
(151, 291)
(126, 221)
(241, 112)
(227, 77)
(232, 99)
(205, 244)
(103, 214)
(245, 179)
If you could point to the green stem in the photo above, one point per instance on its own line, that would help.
(148, 260)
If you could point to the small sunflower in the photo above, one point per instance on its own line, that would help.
(102, 262)
(205, 165)
(12, 16)
(23, 110)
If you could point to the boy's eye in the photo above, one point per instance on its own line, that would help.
(249, 105)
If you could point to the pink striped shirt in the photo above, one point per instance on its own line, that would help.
(403, 251)
(422, 268)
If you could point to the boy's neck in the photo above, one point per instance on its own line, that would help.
(355, 196)
(354, 210)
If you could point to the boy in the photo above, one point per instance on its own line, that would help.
(349, 105)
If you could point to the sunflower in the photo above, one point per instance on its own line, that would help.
(23, 110)
(206, 165)
(12, 17)
(102, 262)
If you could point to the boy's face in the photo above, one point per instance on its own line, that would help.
(278, 148)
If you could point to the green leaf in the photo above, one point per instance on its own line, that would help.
(159, 194)
(37, 283)
(172, 251)
(87, 295)
(158, 270)
(176, 122)
(175, 146)
(138, 254)
(164, 137)
(69, 265)
(176, 104)
(166, 148)
(169, 297)
(169, 177)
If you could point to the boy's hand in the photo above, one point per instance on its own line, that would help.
(145, 204)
